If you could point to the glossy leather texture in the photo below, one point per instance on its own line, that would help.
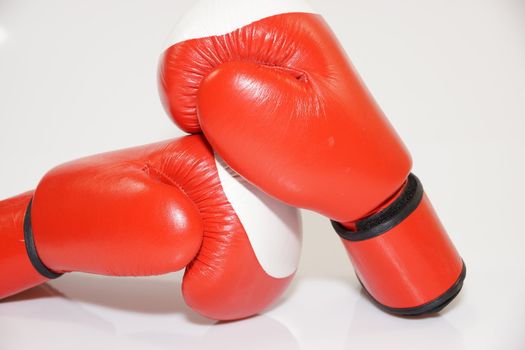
(142, 211)
(426, 263)
(280, 102)
(290, 95)
(16, 270)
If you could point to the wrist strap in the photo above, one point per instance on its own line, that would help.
(31, 248)
(387, 218)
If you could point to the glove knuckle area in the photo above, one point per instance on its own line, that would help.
(146, 229)
(286, 42)
(116, 211)
(225, 280)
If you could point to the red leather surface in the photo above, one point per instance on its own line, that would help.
(144, 211)
(410, 265)
(15, 268)
(116, 214)
(281, 103)
(283, 89)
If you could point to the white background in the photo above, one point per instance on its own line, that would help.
(79, 77)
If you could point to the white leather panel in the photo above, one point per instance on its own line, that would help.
(273, 228)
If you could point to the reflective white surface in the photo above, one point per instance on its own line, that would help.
(274, 233)
(78, 77)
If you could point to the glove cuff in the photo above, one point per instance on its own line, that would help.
(403, 257)
(16, 270)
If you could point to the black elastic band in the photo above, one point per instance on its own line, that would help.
(31, 248)
(387, 218)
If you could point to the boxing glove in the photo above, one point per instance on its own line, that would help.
(151, 210)
(277, 98)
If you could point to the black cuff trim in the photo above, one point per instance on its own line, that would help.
(432, 306)
(31, 247)
(387, 218)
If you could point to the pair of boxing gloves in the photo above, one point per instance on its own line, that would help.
(268, 86)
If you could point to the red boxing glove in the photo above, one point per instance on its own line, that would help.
(278, 99)
(151, 210)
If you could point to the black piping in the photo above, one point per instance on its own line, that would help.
(31, 247)
(387, 218)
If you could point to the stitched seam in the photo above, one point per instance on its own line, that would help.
(150, 168)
